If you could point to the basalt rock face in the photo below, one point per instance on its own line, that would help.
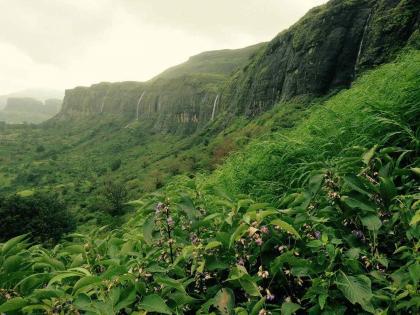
(324, 51)
(178, 105)
(180, 100)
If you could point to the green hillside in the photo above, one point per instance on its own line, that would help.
(281, 178)
(202, 246)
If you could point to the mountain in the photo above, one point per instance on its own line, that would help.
(179, 100)
(322, 53)
(39, 94)
(277, 179)
(29, 110)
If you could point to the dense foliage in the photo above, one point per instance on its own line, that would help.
(42, 215)
(328, 224)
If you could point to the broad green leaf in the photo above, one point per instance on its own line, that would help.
(42, 294)
(14, 304)
(224, 301)
(416, 218)
(314, 244)
(75, 249)
(249, 285)
(357, 289)
(60, 277)
(416, 170)
(12, 243)
(356, 183)
(182, 298)
(315, 183)
(85, 282)
(12, 263)
(238, 234)
(289, 308)
(148, 228)
(369, 155)
(213, 244)
(285, 226)
(357, 204)
(387, 188)
(154, 303)
(126, 298)
(372, 222)
(187, 205)
(258, 306)
(171, 283)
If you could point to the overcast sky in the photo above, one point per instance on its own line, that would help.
(60, 44)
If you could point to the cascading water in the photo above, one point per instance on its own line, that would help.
(362, 41)
(103, 101)
(138, 105)
(214, 107)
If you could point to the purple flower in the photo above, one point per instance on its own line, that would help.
(317, 234)
(358, 234)
(269, 296)
(264, 229)
(159, 207)
(170, 221)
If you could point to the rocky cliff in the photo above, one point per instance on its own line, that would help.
(179, 100)
(324, 51)
(321, 53)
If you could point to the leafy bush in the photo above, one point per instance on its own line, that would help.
(116, 194)
(41, 215)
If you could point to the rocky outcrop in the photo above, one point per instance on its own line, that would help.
(174, 105)
(180, 99)
(324, 51)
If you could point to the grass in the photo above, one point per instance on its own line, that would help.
(355, 117)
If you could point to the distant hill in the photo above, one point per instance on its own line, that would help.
(212, 62)
(39, 94)
(29, 110)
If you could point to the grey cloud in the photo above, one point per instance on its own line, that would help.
(52, 31)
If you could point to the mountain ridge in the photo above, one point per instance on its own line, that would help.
(301, 63)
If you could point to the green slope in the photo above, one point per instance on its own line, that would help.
(329, 226)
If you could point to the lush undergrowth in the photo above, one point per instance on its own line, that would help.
(385, 100)
(321, 219)
(73, 160)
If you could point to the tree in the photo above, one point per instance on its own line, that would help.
(115, 193)
(42, 215)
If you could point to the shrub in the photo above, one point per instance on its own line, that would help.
(116, 194)
(41, 215)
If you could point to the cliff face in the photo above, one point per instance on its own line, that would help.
(324, 51)
(181, 99)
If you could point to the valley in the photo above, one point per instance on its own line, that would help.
(280, 178)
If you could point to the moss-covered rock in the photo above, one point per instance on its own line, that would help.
(324, 51)
(179, 100)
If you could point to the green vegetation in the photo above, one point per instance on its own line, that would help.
(43, 216)
(265, 180)
(321, 216)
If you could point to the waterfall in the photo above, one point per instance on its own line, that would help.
(138, 105)
(103, 101)
(359, 52)
(214, 107)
